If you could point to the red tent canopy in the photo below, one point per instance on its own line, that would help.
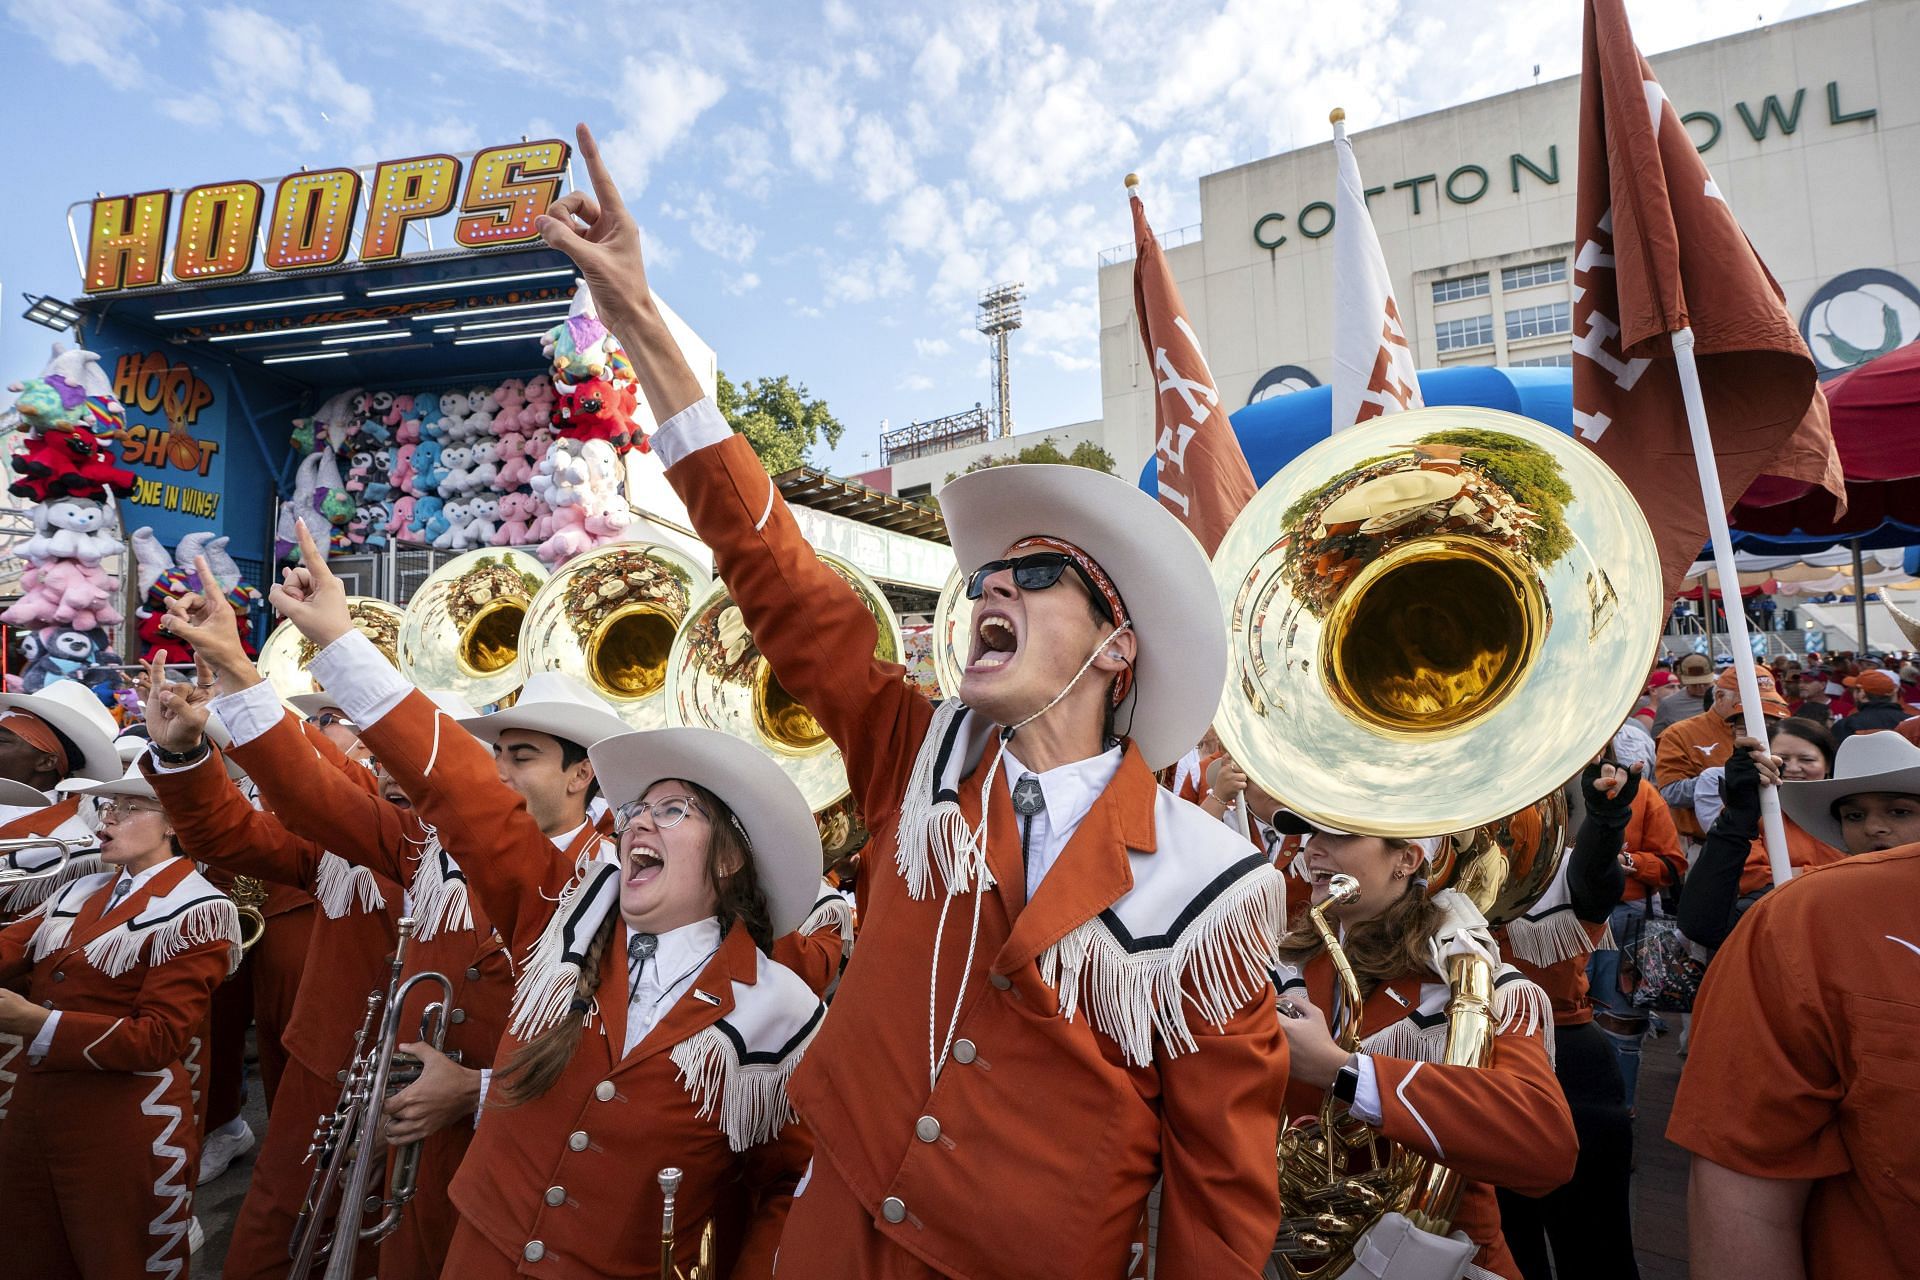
(1875, 410)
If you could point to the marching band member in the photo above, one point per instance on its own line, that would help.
(718, 854)
(1506, 1125)
(97, 1159)
(819, 949)
(1798, 1099)
(353, 934)
(46, 738)
(1585, 1227)
(1091, 951)
(315, 801)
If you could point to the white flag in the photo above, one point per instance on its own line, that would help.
(1372, 364)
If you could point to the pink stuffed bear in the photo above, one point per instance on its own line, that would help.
(401, 477)
(516, 520)
(541, 527)
(402, 516)
(510, 452)
(540, 401)
(397, 412)
(69, 592)
(511, 396)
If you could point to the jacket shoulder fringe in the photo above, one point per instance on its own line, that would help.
(1520, 1007)
(550, 971)
(743, 1091)
(31, 895)
(834, 910)
(1217, 964)
(199, 923)
(439, 889)
(1550, 939)
(342, 888)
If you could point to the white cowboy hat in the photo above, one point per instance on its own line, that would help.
(781, 833)
(75, 711)
(131, 783)
(1161, 574)
(309, 705)
(556, 705)
(1865, 762)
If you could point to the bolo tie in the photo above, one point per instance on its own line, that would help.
(1028, 800)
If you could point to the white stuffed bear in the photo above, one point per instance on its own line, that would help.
(456, 459)
(484, 508)
(72, 529)
(453, 415)
(560, 476)
(484, 469)
(454, 537)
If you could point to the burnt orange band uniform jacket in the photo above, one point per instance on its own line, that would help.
(97, 1162)
(1505, 1125)
(452, 935)
(564, 1186)
(1686, 749)
(62, 819)
(1055, 1112)
(1804, 1061)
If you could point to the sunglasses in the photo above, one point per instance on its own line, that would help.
(327, 719)
(1037, 572)
(667, 813)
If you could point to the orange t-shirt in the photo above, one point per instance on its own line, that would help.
(1687, 749)
(1654, 841)
(1805, 1058)
(1803, 852)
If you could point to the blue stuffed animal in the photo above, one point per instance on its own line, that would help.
(426, 411)
(429, 519)
(428, 471)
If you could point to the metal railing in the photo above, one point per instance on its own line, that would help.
(1173, 239)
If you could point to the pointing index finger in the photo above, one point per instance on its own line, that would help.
(603, 187)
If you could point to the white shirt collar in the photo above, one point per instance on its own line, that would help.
(1069, 789)
(142, 878)
(680, 949)
(678, 959)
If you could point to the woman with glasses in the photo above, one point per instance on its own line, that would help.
(97, 1158)
(650, 1028)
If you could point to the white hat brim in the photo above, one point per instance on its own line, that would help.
(98, 758)
(130, 783)
(310, 705)
(21, 796)
(780, 826)
(1810, 804)
(567, 721)
(1159, 569)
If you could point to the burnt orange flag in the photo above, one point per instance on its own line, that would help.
(1203, 476)
(1659, 251)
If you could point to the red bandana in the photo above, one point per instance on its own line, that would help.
(1116, 608)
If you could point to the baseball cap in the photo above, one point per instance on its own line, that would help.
(1289, 823)
(1659, 678)
(1695, 670)
(1881, 683)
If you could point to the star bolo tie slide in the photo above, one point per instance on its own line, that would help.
(640, 949)
(1027, 796)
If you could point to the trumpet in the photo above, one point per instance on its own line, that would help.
(703, 1267)
(343, 1142)
(249, 899)
(12, 875)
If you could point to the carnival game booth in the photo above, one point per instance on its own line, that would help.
(389, 356)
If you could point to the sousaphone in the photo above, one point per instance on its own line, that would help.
(717, 678)
(608, 618)
(461, 630)
(287, 654)
(1435, 619)
(952, 634)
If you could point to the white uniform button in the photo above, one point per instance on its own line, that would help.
(893, 1209)
(579, 1140)
(604, 1091)
(927, 1129)
(556, 1196)
(534, 1251)
(963, 1051)
(1000, 981)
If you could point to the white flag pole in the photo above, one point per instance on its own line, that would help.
(1727, 574)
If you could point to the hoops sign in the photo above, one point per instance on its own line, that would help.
(317, 220)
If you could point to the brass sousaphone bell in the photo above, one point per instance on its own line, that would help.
(718, 679)
(1435, 619)
(461, 631)
(286, 656)
(608, 618)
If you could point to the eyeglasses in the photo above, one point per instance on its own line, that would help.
(1036, 572)
(127, 808)
(667, 813)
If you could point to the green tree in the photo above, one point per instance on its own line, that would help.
(777, 418)
(1085, 454)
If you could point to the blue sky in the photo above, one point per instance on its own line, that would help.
(825, 185)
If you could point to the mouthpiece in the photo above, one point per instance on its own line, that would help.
(1343, 890)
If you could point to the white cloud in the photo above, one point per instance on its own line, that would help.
(884, 163)
(713, 230)
(660, 98)
(1049, 130)
(868, 279)
(915, 382)
(745, 282)
(939, 65)
(746, 157)
(816, 115)
(109, 37)
(929, 348)
(275, 80)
